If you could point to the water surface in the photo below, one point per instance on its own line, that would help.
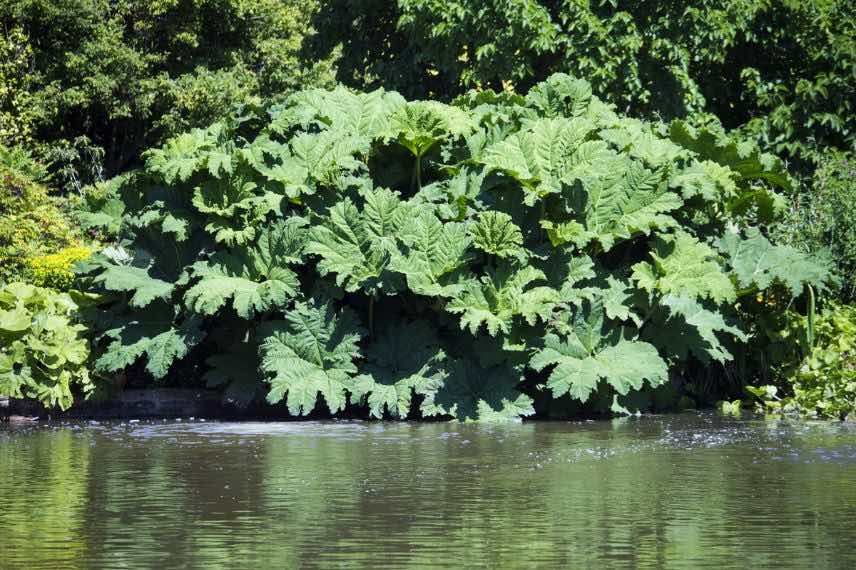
(672, 491)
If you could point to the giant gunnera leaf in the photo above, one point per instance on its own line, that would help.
(155, 334)
(343, 110)
(468, 392)
(235, 208)
(496, 234)
(757, 264)
(693, 328)
(183, 155)
(358, 246)
(151, 272)
(541, 157)
(256, 279)
(618, 208)
(404, 359)
(505, 292)
(311, 352)
(432, 255)
(561, 95)
(419, 125)
(682, 265)
(588, 352)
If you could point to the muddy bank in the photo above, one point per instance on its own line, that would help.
(149, 403)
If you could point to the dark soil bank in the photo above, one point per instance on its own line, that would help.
(154, 403)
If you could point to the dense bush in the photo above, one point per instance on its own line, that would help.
(782, 68)
(43, 350)
(16, 112)
(86, 85)
(473, 255)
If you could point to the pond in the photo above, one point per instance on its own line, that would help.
(676, 491)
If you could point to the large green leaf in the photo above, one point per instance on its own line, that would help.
(569, 273)
(404, 359)
(327, 156)
(108, 216)
(541, 157)
(234, 207)
(150, 272)
(312, 351)
(159, 210)
(589, 352)
(155, 334)
(756, 174)
(419, 125)
(638, 140)
(256, 279)
(757, 264)
(617, 300)
(357, 247)
(14, 320)
(496, 234)
(504, 293)
(693, 328)
(136, 280)
(432, 255)
(179, 158)
(561, 95)
(743, 157)
(468, 392)
(619, 207)
(706, 179)
(684, 266)
(342, 110)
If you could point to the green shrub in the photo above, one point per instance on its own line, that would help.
(99, 209)
(362, 246)
(823, 383)
(18, 162)
(43, 351)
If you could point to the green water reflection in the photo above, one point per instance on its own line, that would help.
(675, 491)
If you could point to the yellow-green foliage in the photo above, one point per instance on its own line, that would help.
(55, 270)
(32, 224)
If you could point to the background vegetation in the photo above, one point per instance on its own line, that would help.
(783, 71)
(91, 83)
(87, 85)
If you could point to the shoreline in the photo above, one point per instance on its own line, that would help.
(142, 404)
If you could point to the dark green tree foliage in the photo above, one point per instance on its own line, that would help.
(433, 259)
(117, 76)
(783, 68)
